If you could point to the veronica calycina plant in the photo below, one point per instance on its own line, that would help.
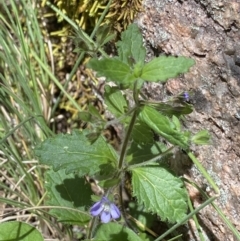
(87, 153)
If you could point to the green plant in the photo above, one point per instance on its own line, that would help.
(25, 79)
(86, 153)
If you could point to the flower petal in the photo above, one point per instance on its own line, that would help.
(97, 208)
(104, 200)
(115, 213)
(186, 96)
(105, 217)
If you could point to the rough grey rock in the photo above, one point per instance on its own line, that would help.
(209, 32)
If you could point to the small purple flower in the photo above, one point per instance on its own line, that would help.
(186, 96)
(105, 209)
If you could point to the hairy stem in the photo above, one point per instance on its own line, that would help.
(130, 127)
(126, 139)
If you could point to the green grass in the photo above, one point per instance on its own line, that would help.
(26, 107)
(26, 100)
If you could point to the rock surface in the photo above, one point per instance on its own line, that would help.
(209, 32)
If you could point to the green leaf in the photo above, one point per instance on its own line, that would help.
(103, 35)
(85, 116)
(201, 138)
(109, 182)
(94, 135)
(94, 240)
(91, 116)
(131, 46)
(145, 219)
(115, 232)
(113, 69)
(115, 101)
(173, 109)
(19, 231)
(83, 42)
(163, 126)
(160, 192)
(94, 112)
(138, 153)
(177, 123)
(141, 133)
(146, 237)
(163, 68)
(76, 154)
(137, 71)
(68, 191)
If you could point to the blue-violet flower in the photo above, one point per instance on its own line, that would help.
(105, 209)
(186, 96)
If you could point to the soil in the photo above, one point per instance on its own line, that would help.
(209, 32)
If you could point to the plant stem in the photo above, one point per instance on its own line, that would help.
(126, 139)
(219, 211)
(130, 127)
(210, 200)
(204, 172)
(200, 234)
(91, 228)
